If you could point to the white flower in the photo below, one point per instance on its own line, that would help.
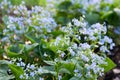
(101, 41)
(71, 51)
(41, 78)
(63, 54)
(16, 12)
(26, 75)
(32, 67)
(45, 55)
(76, 22)
(22, 63)
(112, 45)
(40, 70)
(18, 64)
(96, 26)
(85, 46)
(107, 39)
(74, 46)
(84, 58)
(32, 74)
(21, 76)
(104, 49)
(79, 74)
(76, 70)
(59, 77)
(92, 38)
(5, 39)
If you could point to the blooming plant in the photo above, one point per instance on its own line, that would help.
(102, 10)
(36, 48)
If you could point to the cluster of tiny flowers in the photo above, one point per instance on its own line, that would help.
(82, 49)
(60, 41)
(30, 70)
(91, 64)
(89, 36)
(80, 41)
(6, 4)
(37, 18)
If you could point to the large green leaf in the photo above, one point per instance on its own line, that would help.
(109, 66)
(68, 66)
(30, 47)
(12, 54)
(16, 70)
(3, 70)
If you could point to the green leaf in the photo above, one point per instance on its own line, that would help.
(50, 62)
(30, 38)
(109, 66)
(47, 71)
(57, 33)
(3, 62)
(107, 14)
(65, 5)
(12, 54)
(3, 70)
(74, 78)
(66, 77)
(5, 19)
(90, 19)
(16, 70)
(69, 66)
(30, 47)
(42, 2)
(51, 68)
(117, 10)
(63, 70)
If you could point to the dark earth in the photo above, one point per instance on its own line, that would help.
(114, 74)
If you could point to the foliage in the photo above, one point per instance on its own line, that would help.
(37, 48)
(101, 10)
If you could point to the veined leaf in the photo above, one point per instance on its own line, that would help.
(16, 70)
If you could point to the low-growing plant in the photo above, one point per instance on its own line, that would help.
(36, 48)
(102, 11)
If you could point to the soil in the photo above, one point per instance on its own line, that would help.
(114, 74)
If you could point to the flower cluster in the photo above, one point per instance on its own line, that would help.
(43, 50)
(78, 51)
(94, 35)
(30, 70)
(86, 39)
(37, 18)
